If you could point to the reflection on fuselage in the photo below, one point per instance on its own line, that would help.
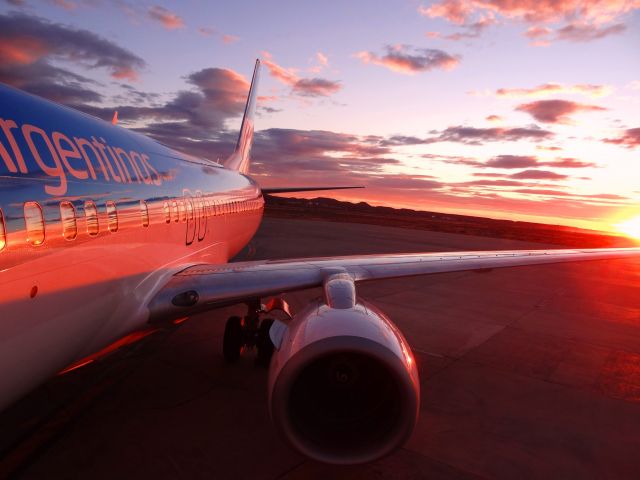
(78, 265)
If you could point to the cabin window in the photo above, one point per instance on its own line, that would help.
(68, 219)
(190, 211)
(182, 210)
(3, 233)
(174, 211)
(34, 221)
(112, 216)
(91, 217)
(167, 212)
(144, 211)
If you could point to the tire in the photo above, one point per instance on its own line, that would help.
(233, 339)
(264, 344)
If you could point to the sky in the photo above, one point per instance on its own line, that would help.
(517, 109)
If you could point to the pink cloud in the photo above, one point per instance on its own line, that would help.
(551, 88)
(210, 32)
(532, 11)
(65, 4)
(539, 175)
(322, 62)
(587, 19)
(20, 50)
(32, 42)
(409, 60)
(306, 87)
(556, 111)
(630, 138)
(167, 18)
(125, 73)
(229, 38)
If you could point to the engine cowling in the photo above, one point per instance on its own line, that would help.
(343, 383)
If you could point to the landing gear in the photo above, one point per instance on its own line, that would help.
(233, 339)
(239, 334)
(264, 346)
(245, 333)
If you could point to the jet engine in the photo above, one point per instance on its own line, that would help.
(343, 383)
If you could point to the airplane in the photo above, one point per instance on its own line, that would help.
(107, 236)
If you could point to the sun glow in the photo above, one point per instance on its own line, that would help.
(630, 227)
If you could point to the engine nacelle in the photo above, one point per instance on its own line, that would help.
(343, 383)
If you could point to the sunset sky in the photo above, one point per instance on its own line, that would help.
(518, 109)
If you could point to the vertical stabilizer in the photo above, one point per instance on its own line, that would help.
(240, 158)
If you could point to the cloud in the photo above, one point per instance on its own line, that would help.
(166, 18)
(512, 161)
(307, 144)
(306, 87)
(316, 87)
(567, 162)
(403, 140)
(29, 45)
(537, 32)
(25, 40)
(494, 118)
(556, 111)
(475, 136)
(65, 4)
(630, 138)
(322, 62)
(226, 38)
(542, 191)
(472, 30)
(494, 183)
(551, 88)
(539, 175)
(576, 32)
(532, 11)
(207, 31)
(586, 19)
(409, 60)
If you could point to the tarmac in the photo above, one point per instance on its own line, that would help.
(528, 373)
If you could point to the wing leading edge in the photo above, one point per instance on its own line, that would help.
(216, 285)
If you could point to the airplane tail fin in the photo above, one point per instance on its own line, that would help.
(240, 158)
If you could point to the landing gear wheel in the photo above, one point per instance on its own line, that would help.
(264, 346)
(233, 339)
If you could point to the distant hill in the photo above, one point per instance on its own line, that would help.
(338, 211)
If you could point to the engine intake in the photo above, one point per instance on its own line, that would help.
(343, 387)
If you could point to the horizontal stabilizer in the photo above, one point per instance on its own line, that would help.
(301, 189)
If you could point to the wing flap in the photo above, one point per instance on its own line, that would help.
(217, 285)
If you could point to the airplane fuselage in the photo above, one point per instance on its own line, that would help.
(94, 219)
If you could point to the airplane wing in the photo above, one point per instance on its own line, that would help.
(204, 287)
